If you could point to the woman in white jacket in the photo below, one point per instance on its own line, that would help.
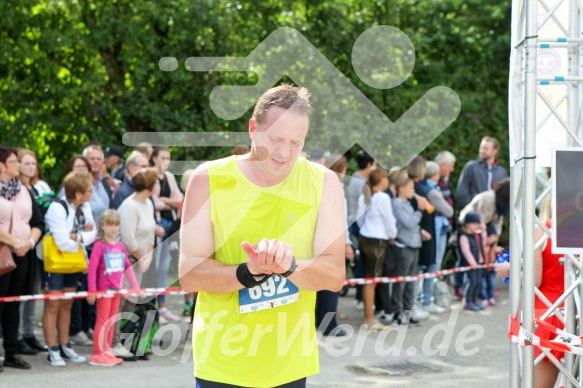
(377, 227)
(71, 227)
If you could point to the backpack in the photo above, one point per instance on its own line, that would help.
(46, 199)
(139, 329)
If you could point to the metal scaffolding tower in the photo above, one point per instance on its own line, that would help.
(544, 111)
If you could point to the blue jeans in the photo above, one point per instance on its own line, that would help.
(428, 284)
(163, 259)
(488, 284)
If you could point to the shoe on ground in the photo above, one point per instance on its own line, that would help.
(432, 308)
(414, 321)
(492, 302)
(119, 360)
(80, 339)
(169, 316)
(102, 360)
(120, 351)
(68, 353)
(23, 348)
(404, 319)
(186, 311)
(459, 292)
(15, 362)
(89, 334)
(388, 317)
(418, 315)
(35, 344)
(54, 358)
(379, 314)
(162, 320)
(382, 316)
(471, 307)
(374, 326)
(336, 332)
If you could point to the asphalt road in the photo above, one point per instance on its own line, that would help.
(455, 349)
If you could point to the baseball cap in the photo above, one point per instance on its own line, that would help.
(472, 218)
(114, 150)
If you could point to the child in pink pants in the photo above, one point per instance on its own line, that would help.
(109, 260)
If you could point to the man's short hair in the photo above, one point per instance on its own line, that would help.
(494, 141)
(445, 157)
(431, 168)
(145, 179)
(76, 182)
(92, 148)
(284, 96)
(363, 159)
(132, 158)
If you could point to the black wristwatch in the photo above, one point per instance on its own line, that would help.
(259, 278)
(291, 269)
(249, 280)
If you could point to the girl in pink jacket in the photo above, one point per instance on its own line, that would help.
(109, 260)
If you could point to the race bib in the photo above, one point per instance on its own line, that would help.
(114, 262)
(275, 292)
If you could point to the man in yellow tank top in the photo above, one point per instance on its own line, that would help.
(261, 233)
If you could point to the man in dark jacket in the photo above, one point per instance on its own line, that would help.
(136, 161)
(482, 174)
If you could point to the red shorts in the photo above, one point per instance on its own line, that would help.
(545, 334)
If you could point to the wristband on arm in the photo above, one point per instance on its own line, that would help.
(247, 279)
(291, 269)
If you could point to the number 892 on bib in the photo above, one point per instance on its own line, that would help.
(275, 292)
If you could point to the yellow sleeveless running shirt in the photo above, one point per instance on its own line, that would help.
(276, 345)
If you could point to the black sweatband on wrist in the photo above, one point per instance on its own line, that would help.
(247, 279)
(291, 269)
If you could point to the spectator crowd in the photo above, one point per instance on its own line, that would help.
(115, 206)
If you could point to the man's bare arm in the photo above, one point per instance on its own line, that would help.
(326, 270)
(198, 270)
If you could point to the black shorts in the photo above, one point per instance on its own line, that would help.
(372, 252)
(301, 383)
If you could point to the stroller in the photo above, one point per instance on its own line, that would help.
(139, 329)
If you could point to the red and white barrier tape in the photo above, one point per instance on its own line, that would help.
(565, 342)
(402, 279)
(99, 294)
(180, 291)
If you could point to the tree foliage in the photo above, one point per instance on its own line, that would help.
(79, 70)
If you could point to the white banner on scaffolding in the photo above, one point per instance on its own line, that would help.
(515, 86)
(552, 68)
